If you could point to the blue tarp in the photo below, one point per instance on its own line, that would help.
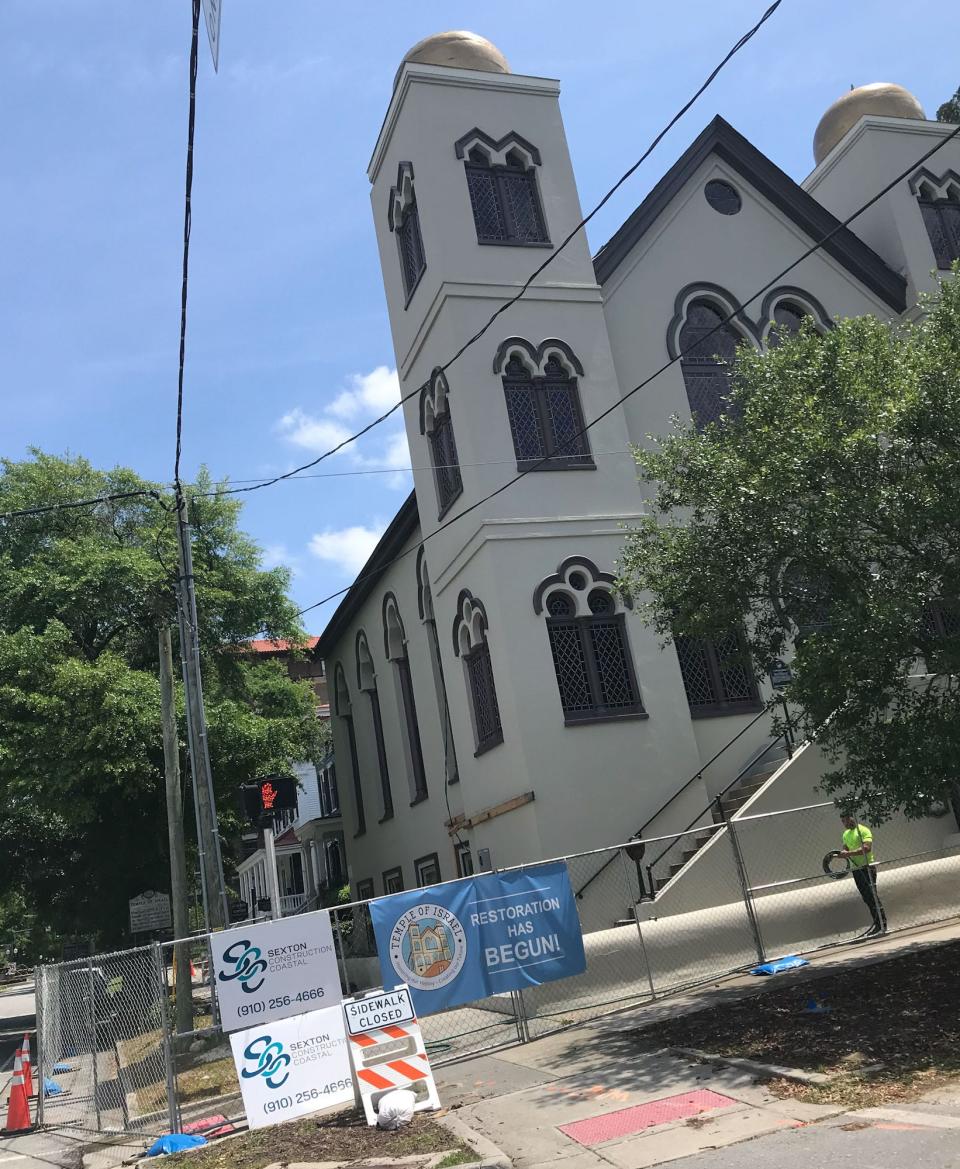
(51, 1087)
(175, 1142)
(790, 962)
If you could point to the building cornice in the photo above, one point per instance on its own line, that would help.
(415, 74)
(767, 179)
(863, 127)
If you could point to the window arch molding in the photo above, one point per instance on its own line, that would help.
(804, 302)
(586, 629)
(424, 588)
(436, 424)
(367, 683)
(724, 302)
(497, 148)
(403, 218)
(568, 569)
(395, 651)
(341, 693)
(938, 197)
(542, 397)
(470, 645)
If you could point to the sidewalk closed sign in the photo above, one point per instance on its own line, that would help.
(275, 970)
(292, 1067)
(466, 940)
(388, 1051)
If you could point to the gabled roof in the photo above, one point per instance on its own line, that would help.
(772, 183)
(401, 528)
(263, 645)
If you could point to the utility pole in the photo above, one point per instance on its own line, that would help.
(178, 858)
(211, 861)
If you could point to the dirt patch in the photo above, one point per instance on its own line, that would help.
(900, 1014)
(345, 1136)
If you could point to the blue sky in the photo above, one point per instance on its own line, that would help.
(288, 342)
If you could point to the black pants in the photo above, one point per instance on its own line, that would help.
(866, 879)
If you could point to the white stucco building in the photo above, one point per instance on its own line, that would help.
(491, 697)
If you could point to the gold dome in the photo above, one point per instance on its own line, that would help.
(880, 99)
(457, 49)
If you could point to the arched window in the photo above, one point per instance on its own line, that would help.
(709, 349)
(344, 710)
(427, 616)
(588, 643)
(395, 646)
(436, 424)
(404, 220)
(939, 200)
(543, 405)
(367, 681)
(470, 644)
(502, 183)
(783, 312)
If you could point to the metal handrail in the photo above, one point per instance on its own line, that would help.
(663, 807)
(715, 800)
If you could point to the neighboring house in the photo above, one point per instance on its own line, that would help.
(309, 842)
(493, 701)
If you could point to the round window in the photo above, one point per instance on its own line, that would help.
(722, 197)
(578, 581)
(600, 602)
(560, 605)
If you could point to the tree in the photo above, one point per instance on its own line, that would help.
(82, 595)
(950, 110)
(821, 514)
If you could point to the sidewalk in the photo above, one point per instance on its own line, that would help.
(587, 1098)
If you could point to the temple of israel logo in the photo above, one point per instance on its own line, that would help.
(428, 947)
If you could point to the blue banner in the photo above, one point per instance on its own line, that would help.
(465, 940)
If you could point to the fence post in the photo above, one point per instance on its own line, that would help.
(744, 883)
(161, 975)
(636, 918)
(94, 1045)
(341, 952)
(39, 990)
(520, 1016)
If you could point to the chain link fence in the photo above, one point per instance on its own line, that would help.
(133, 1038)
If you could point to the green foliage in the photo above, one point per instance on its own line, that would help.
(82, 596)
(828, 509)
(950, 110)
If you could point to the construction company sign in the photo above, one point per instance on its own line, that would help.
(292, 1067)
(466, 940)
(388, 1051)
(275, 970)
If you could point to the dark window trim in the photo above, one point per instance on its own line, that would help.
(461, 849)
(498, 172)
(410, 289)
(479, 653)
(599, 713)
(387, 874)
(538, 386)
(366, 889)
(452, 465)
(721, 707)
(385, 793)
(409, 704)
(430, 858)
(949, 231)
(355, 768)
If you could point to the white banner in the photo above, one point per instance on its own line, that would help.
(292, 1067)
(213, 10)
(275, 969)
(388, 1051)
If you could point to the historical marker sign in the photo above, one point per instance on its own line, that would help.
(150, 911)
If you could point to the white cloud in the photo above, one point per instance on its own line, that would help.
(280, 556)
(348, 548)
(369, 395)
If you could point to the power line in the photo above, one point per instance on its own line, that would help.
(741, 43)
(647, 380)
(75, 503)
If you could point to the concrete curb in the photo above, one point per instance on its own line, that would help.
(491, 1156)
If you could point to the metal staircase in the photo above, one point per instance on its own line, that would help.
(674, 854)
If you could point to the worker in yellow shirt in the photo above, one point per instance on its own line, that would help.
(858, 850)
